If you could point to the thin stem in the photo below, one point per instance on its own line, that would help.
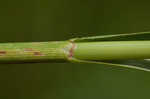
(34, 52)
(114, 50)
(65, 51)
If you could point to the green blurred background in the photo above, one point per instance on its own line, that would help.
(47, 20)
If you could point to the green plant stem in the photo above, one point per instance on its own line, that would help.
(65, 51)
(114, 50)
(34, 52)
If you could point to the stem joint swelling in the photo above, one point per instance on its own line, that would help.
(71, 50)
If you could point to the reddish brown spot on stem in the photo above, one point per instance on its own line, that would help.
(71, 50)
(2, 52)
(37, 53)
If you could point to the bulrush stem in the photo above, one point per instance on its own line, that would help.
(114, 50)
(34, 52)
(65, 51)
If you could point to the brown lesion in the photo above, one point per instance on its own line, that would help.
(3, 52)
(37, 53)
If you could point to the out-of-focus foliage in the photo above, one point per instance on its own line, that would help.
(43, 20)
